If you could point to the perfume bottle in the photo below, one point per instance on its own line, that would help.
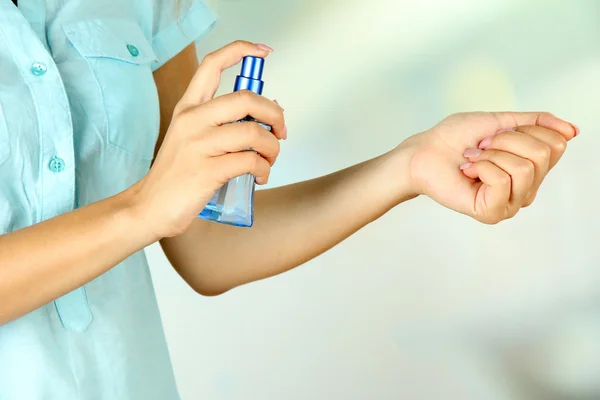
(233, 204)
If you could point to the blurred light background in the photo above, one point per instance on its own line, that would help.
(424, 304)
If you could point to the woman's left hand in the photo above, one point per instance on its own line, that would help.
(486, 165)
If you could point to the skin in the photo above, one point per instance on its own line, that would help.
(485, 165)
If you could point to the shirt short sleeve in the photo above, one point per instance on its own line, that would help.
(177, 24)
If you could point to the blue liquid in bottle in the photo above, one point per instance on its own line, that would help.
(233, 204)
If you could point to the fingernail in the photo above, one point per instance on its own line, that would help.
(276, 102)
(264, 47)
(577, 130)
(465, 165)
(485, 143)
(472, 153)
(285, 132)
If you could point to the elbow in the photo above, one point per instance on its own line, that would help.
(205, 284)
(210, 290)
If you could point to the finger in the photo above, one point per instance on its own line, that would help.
(521, 171)
(238, 164)
(557, 145)
(492, 195)
(205, 82)
(236, 106)
(554, 140)
(233, 138)
(509, 120)
(525, 146)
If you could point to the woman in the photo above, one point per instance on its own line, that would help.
(82, 86)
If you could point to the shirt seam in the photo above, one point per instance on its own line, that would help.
(72, 129)
(158, 38)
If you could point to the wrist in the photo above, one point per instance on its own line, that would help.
(396, 173)
(134, 210)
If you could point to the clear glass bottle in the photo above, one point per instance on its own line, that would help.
(233, 204)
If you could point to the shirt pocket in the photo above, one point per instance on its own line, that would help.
(4, 139)
(120, 57)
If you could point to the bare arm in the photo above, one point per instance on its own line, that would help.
(35, 269)
(293, 223)
(503, 159)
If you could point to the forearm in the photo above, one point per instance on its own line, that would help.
(40, 263)
(294, 224)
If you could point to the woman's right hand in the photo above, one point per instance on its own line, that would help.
(202, 151)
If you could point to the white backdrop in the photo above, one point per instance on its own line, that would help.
(425, 303)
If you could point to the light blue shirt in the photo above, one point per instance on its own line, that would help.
(79, 118)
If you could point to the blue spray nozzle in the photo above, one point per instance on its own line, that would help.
(252, 67)
(250, 78)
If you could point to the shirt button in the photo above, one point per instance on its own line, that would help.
(133, 50)
(38, 68)
(56, 164)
